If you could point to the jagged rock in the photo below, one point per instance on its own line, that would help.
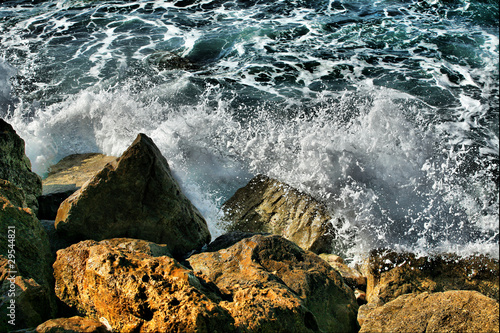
(229, 239)
(124, 282)
(272, 285)
(137, 197)
(450, 311)
(65, 177)
(267, 205)
(391, 274)
(24, 262)
(351, 276)
(15, 166)
(168, 60)
(74, 324)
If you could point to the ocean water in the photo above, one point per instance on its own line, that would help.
(387, 111)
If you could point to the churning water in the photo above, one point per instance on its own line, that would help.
(387, 111)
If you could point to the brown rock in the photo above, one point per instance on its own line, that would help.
(352, 277)
(65, 177)
(74, 324)
(15, 166)
(390, 275)
(120, 281)
(450, 311)
(137, 197)
(272, 285)
(266, 205)
(24, 262)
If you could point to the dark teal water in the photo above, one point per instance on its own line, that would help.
(387, 111)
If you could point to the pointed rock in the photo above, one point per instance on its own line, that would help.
(135, 196)
(267, 205)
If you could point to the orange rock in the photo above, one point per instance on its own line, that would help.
(272, 285)
(70, 325)
(450, 311)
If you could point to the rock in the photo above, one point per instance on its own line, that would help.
(15, 166)
(229, 239)
(169, 60)
(267, 205)
(391, 274)
(450, 311)
(126, 284)
(65, 177)
(74, 324)
(272, 285)
(24, 262)
(137, 197)
(352, 277)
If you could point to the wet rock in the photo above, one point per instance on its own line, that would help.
(267, 205)
(72, 325)
(391, 274)
(24, 262)
(65, 177)
(15, 166)
(450, 311)
(168, 60)
(137, 197)
(352, 277)
(125, 283)
(272, 285)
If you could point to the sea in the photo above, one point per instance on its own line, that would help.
(386, 111)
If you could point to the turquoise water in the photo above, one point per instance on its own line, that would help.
(387, 111)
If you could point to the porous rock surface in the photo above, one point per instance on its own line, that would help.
(390, 274)
(450, 311)
(272, 285)
(135, 196)
(73, 324)
(136, 288)
(267, 205)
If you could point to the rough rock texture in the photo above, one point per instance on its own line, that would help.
(352, 277)
(168, 60)
(450, 311)
(229, 239)
(390, 275)
(266, 205)
(15, 166)
(74, 324)
(120, 281)
(137, 197)
(65, 177)
(272, 285)
(24, 262)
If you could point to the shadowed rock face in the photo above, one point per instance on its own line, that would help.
(24, 262)
(391, 274)
(450, 311)
(272, 285)
(135, 196)
(16, 167)
(266, 205)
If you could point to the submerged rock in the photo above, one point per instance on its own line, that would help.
(15, 166)
(25, 261)
(65, 177)
(135, 196)
(125, 282)
(391, 274)
(272, 285)
(267, 205)
(450, 311)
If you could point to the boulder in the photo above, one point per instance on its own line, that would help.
(15, 166)
(391, 274)
(450, 311)
(135, 196)
(74, 324)
(272, 285)
(352, 277)
(267, 205)
(65, 177)
(25, 261)
(134, 287)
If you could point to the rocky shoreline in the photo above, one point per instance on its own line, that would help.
(113, 245)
